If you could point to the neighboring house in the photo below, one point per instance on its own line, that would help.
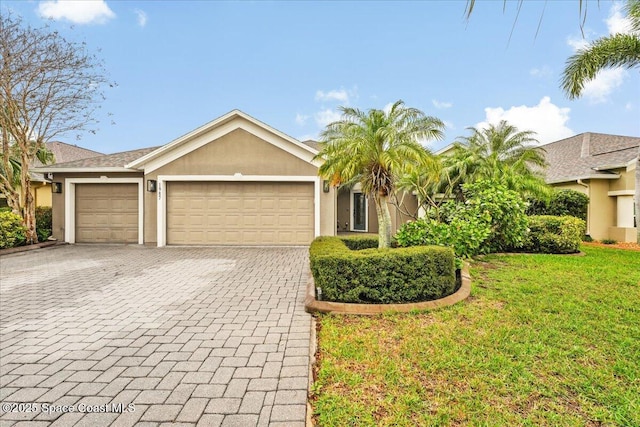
(62, 152)
(233, 181)
(604, 167)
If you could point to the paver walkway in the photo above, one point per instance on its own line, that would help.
(206, 336)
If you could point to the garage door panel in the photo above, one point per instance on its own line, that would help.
(240, 213)
(106, 213)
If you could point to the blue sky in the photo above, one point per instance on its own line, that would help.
(179, 65)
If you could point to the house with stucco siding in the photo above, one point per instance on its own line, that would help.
(232, 181)
(605, 168)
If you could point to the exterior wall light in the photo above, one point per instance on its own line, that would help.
(56, 187)
(325, 186)
(152, 185)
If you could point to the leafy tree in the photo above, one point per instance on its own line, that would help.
(374, 148)
(48, 86)
(499, 153)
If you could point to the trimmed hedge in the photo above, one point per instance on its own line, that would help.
(12, 230)
(381, 276)
(562, 203)
(555, 234)
(358, 243)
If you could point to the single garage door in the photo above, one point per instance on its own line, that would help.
(240, 213)
(107, 213)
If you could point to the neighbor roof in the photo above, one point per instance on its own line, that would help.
(62, 152)
(589, 156)
(107, 162)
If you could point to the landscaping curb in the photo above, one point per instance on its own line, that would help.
(27, 248)
(311, 305)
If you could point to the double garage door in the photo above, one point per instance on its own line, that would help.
(202, 213)
(240, 213)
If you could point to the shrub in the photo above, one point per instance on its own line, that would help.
(505, 210)
(43, 222)
(465, 235)
(357, 243)
(12, 230)
(381, 275)
(491, 219)
(609, 241)
(555, 234)
(562, 203)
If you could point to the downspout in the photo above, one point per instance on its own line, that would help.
(581, 182)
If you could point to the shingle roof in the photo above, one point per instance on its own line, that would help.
(313, 144)
(115, 160)
(62, 152)
(580, 156)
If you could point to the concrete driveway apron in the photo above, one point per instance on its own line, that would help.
(128, 335)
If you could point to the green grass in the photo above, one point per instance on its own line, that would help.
(544, 340)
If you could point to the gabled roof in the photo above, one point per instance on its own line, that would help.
(221, 126)
(589, 156)
(106, 163)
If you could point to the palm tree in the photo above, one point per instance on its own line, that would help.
(497, 153)
(617, 50)
(374, 148)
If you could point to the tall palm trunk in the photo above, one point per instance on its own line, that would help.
(384, 220)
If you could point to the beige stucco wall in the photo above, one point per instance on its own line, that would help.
(627, 180)
(602, 213)
(57, 199)
(238, 152)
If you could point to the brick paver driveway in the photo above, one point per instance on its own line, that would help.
(206, 336)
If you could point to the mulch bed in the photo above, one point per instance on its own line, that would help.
(620, 245)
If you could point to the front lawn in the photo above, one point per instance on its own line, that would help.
(543, 340)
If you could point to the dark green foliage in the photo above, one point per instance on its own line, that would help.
(505, 210)
(357, 243)
(465, 234)
(562, 203)
(381, 275)
(555, 234)
(43, 222)
(609, 241)
(491, 219)
(12, 230)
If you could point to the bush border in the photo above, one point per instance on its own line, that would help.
(312, 305)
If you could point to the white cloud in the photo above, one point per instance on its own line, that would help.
(333, 95)
(546, 119)
(577, 42)
(599, 89)
(542, 72)
(448, 124)
(616, 22)
(628, 106)
(78, 12)
(440, 104)
(301, 119)
(141, 16)
(327, 116)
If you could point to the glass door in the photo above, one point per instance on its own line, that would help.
(359, 212)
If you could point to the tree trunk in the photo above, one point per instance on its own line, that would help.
(28, 204)
(384, 221)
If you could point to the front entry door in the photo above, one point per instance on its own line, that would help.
(359, 212)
